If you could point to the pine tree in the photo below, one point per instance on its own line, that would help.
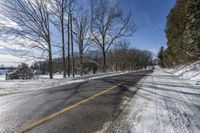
(160, 56)
(183, 33)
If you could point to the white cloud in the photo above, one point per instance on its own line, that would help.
(4, 21)
(10, 60)
(8, 52)
(154, 52)
(9, 45)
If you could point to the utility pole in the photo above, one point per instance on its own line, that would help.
(69, 62)
(72, 45)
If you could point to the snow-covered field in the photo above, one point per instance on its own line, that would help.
(163, 103)
(2, 77)
(2, 74)
(42, 82)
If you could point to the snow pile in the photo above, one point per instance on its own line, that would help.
(56, 76)
(191, 71)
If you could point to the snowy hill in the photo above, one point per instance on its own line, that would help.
(191, 71)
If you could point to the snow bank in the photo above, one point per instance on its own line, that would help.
(56, 76)
(191, 71)
(16, 86)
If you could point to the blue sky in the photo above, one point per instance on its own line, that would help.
(150, 19)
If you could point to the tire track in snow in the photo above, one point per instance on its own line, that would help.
(193, 110)
(123, 124)
(162, 113)
(179, 121)
(162, 104)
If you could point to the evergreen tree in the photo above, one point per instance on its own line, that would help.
(183, 33)
(160, 56)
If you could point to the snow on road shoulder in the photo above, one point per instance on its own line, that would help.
(163, 103)
(189, 71)
(16, 86)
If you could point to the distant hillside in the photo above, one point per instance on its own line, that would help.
(183, 33)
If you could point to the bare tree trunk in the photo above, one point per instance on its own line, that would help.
(81, 63)
(72, 47)
(63, 46)
(50, 60)
(104, 53)
(81, 55)
(49, 46)
(104, 61)
(69, 62)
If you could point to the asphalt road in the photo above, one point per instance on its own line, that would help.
(19, 111)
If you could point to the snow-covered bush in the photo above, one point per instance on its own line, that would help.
(23, 71)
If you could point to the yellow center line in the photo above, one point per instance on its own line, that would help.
(43, 120)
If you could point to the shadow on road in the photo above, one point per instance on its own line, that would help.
(59, 97)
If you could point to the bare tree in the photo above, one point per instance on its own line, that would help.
(81, 29)
(70, 35)
(124, 58)
(108, 24)
(121, 55)
(60, 9)
(72, 44)
(68, 44)
(32, 23)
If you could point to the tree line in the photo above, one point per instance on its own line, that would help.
(121, 58)
(183, 34)
(60, 26)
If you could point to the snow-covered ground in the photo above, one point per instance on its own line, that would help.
(163, 103)
(2, 74)
(191, 71)
(16, 86)
(2, 77)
